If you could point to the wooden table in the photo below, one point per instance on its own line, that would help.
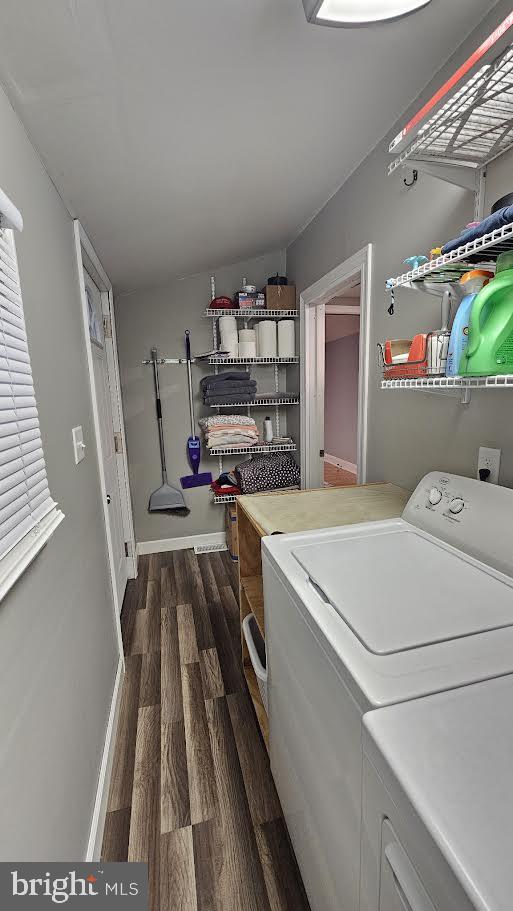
(267, 514)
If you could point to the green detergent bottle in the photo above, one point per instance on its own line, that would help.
(490, 329)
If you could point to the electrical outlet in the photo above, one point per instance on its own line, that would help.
(489, 459)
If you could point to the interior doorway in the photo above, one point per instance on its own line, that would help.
(334, 389)
(342, 352)
(100, 341)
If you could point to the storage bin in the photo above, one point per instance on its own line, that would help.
(256, 649)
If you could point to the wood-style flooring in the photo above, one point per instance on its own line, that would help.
(338, 477)
(191, 790)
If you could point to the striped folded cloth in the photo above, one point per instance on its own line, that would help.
(228, 419)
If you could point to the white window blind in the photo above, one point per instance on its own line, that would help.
(28, 514)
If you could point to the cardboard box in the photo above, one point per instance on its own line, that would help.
(280, 297)
(254, 300)
(232, 535)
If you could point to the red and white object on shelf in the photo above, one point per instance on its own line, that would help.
(424, 355)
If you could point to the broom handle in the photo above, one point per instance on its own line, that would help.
(159, 414)
(189, 379)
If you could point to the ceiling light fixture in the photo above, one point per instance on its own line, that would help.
(358, 12)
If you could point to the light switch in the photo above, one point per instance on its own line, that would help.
(78, 444)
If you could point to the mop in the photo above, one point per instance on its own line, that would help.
(196, 479)
(167, 497)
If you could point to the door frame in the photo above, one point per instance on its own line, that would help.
(88, 260)
(312, 303)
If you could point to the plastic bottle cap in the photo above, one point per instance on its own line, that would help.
(476, 273)
(505, 261)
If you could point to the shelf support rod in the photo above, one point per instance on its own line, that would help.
(479, 199)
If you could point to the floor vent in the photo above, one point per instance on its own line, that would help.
(208, 548)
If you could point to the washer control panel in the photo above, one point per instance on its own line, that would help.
(469, 514)
(443, 496)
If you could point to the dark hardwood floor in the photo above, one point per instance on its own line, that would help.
(191, 789)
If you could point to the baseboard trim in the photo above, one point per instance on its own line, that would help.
(94, 844)
(341, 463)
(158, 547)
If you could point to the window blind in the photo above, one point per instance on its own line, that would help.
(24, 494)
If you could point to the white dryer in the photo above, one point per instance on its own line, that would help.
(437, 832)
(367, 616)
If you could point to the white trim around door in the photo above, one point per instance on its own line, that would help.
(355, 270)
(88, 260)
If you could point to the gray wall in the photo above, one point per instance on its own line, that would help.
(409, 432)
(159, 317)
(58, 652)
(341, 398)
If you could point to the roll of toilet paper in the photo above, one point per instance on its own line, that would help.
(247, 349)
(247, 335)
(230, 346)
(267, 338)
(227, 324)
(230, 343)
(286, 338)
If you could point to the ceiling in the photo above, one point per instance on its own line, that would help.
(188, 135)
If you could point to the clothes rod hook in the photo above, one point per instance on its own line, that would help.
(413, 181)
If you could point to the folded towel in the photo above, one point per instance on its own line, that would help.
(243, 397)
(230, 390)
(231, 428)
(213, 419)
(229, 384)
(491, 223)
(228, 440)
(215, 378)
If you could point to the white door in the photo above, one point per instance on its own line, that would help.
(109, 457)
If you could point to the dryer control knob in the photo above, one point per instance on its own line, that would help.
(456, 505)
(435, 496)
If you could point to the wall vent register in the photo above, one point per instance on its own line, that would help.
(28, 514)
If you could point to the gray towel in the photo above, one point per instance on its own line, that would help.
(229, 397)
(215, 378)
(230, 386)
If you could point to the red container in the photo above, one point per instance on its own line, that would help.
(415, 366)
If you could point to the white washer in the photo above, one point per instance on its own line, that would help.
(438, 802)
(365, 616)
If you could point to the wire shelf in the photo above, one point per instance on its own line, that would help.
(256, 361)
(452, 382)
(250, 450)
(261, 402)
(474, 126)
(224, 498)
(485, 249)
(248, 313)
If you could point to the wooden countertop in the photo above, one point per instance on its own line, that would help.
(324, 508)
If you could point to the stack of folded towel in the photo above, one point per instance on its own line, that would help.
(494, 221)
(232, 386)
(228, 430)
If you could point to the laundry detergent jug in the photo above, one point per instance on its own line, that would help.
(471, 282)
(490, 330)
